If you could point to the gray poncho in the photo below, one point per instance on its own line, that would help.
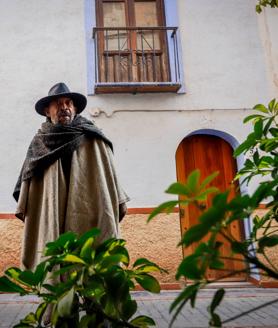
(50, 205)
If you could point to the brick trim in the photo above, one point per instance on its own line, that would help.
(6, 216)
(132, 210)
(264, 284)
(163, 286)
(145, 210)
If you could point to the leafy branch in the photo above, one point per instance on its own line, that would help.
(261, 150)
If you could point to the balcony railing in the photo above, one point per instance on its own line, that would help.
(136, 59)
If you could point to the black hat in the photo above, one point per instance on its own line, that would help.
(61, 90)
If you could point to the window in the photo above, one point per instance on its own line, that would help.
(134, 50)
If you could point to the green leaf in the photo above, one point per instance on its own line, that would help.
(256, 158)
(120, 250)
(147, 269)
(62, 241)
(204, 194)
(116, 283)
(142, 260)
(178, 189)
(142, 321)
(40, 311)
(193, 180)
(217, 298)
(238, 247)
(252, 117)
(258, 9)
(87, 249)
(246, 145)
(28, 278)
(216, 264)
(30, 318)
(208, 179)
(258, 129)
(268, 125)
(189, 268)
(261, 108)
(148, 282)
(72, 258)
(268, 241)
(23, 325)
(66, 268)
(195, 233)
(274, 132)
(41, 272)
(271, 104)
(13, 273)
(50, 288)
(95, 232)
(212, 216)
(215, 320)
(87, 321)
(164, 207)
(185, 295)
(64, 305)
(128, 309)
(7, 286)
(112, 260)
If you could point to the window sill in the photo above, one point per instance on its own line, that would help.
(136, 87)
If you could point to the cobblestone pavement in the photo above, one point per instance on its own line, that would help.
(237, 300)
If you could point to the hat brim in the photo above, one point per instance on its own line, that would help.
(78, 99)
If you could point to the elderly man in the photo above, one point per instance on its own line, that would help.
(68, 181)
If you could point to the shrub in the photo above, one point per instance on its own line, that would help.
(94, 289)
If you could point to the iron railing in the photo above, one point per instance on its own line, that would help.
(136, 55)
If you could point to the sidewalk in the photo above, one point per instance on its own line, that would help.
(237, 300)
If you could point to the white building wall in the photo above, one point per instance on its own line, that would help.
(230, 63)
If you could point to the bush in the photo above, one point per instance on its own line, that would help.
(94, 289)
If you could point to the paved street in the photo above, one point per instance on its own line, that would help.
(237, 300)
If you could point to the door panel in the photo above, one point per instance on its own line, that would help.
(209, 154)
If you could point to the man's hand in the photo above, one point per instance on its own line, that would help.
(122, 211)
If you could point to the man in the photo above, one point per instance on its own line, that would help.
(68, 181)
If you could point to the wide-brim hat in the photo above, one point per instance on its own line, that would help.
(61, 90)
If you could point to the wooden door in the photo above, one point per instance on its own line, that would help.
(210, 154)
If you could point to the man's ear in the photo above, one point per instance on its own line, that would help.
(46, 111)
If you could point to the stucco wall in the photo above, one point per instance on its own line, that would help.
(146, 158)
(268, 27)
(156, 241)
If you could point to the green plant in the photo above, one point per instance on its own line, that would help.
(95, 288)
(266, 3)
(262, 147)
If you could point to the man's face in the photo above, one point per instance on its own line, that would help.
(61, 111)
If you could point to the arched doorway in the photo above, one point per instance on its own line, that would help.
(210, 153)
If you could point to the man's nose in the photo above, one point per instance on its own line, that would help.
(63, 105)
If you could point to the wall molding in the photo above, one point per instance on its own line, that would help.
(6, 216)
(146, 210)
(263, 284)
(132, 210)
